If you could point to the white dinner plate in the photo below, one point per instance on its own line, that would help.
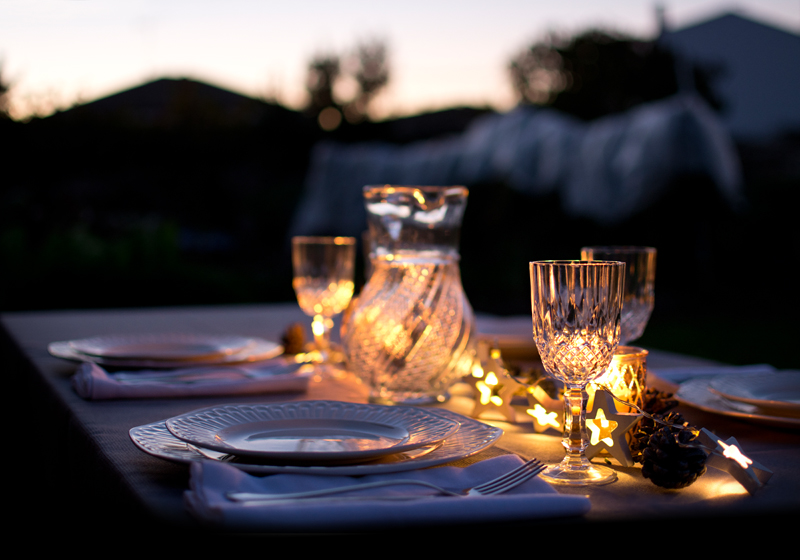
(255, 350)
(778, 391)
(311, 432)
(471, 438)
(163, 346)
(697, 392)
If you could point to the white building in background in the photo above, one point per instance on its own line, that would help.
(760, 83)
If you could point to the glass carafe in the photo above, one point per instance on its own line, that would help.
(412, 332)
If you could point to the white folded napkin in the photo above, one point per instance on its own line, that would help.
(94, 383)
(210, 481)
(680, 374)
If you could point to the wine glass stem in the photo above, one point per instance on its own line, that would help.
(321, 327)
(575, 440)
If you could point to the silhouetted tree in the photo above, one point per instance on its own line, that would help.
(597, 73)
(5, 87)
(367, 67)
(371, 73)
(537, 74)
(323, 71)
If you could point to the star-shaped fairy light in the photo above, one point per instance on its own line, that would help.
(547, 413)
(608, 428)
(728, 456)
(494, 389)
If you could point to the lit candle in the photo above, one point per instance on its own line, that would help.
(626, 377)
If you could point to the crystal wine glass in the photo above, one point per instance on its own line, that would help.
(640, 276)
(323, 281)
(576, 309)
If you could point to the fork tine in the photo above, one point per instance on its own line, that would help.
(501, 486)
(496, 485)
(524, 467)
(523, 472)
(520, 478)
(510, 482)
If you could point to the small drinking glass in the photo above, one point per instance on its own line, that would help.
(640, 278)
(323, 281)
(576, 308)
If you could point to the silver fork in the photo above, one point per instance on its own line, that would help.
(504, 483)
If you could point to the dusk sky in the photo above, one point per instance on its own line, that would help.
(442, 53)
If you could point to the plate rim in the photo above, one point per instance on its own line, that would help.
(259, 350)
(176, 425)
(763, 403)
(84, 345)
(157, 441)
(717, 405)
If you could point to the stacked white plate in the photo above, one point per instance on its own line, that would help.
(324, 437)
(777, 392)
(766, 397)
(166, 350)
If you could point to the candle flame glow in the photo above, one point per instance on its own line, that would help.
(318, 325)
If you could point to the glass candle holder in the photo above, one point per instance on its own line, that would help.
(626, 377)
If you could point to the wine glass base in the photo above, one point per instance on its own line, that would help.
(586, 474)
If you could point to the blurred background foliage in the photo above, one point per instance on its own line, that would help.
(179, 193)
(599, 73)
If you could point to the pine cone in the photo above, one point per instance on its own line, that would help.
(666, 459)
(293, 339)
(657, 402)
(640, 437)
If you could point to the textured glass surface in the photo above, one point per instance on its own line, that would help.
(471, 438)
(627, 377)
(412, 334)
(576, 309)
(323, 432)
(323, 281)
(419, 220)
(576, 318)
(640, 276)
(323, 273)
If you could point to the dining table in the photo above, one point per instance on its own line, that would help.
(73, 465)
